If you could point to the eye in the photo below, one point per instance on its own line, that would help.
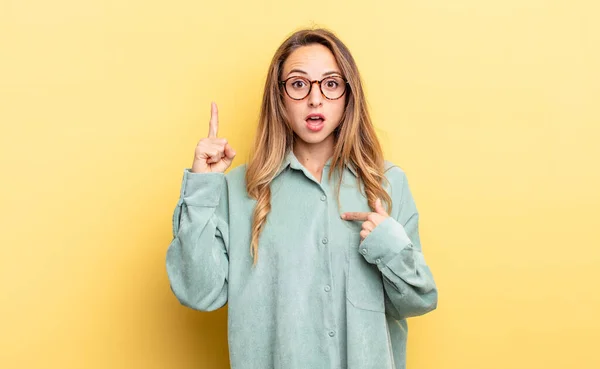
(331, 83)
(298, 83)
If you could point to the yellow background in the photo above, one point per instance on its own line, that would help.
(492, 108)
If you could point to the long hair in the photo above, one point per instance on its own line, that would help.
(355, 139)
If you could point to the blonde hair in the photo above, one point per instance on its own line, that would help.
(355, 139)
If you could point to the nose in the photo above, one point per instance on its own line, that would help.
(315, 98)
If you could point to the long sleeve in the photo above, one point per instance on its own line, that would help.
(197, 260)
(395, 247)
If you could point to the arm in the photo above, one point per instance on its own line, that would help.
(197, 262)
(395, 247)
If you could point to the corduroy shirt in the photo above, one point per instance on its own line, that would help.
(318, 297)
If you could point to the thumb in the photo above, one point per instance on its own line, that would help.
(229, 155)
(379, 208)
(229, 152)
(225, 162)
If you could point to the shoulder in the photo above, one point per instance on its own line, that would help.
(394, 174)
(236, 173)
(397, 182)
(236, 180)
(236, 177)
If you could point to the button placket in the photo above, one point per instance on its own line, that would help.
(327, 293)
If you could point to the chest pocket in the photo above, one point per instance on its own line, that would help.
(364, 285)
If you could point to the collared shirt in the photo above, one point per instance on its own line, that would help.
(318, 297)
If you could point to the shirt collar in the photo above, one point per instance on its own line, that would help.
(291, 161)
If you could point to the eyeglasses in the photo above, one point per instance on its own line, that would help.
(298, 88)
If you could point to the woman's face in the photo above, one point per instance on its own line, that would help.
(313, 62)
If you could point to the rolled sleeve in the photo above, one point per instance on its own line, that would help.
(201, 189)
(386, 241)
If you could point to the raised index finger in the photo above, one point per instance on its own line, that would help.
(213, 125)
(356, 215)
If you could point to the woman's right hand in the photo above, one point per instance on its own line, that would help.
(213, 155)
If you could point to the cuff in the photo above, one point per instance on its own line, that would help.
(201, 189)
(385, 241)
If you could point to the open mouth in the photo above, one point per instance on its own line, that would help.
(314, 122)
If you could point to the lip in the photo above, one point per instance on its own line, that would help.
(315, 127)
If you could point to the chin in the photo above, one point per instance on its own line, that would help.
(313, 139)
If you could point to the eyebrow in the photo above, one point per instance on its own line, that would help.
(303, 72)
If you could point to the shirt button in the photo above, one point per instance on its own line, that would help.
(378, 261)
(323, 198)
(325, 240)
(331, 333)
(364, 251)
(327, 288)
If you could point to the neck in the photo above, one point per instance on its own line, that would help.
(314, 156)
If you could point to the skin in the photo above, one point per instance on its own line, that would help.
(312, 149)
(213, 154)
(370, 219)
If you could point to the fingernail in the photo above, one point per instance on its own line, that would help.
(344, 216)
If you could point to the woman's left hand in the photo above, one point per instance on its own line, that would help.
(371, 219)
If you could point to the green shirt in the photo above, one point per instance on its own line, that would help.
(318, 297)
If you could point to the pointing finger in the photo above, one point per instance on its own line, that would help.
(355, 216)
(213, 127)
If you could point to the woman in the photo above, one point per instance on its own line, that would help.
(316, 271)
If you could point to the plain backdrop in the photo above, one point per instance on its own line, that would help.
(491, 108)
